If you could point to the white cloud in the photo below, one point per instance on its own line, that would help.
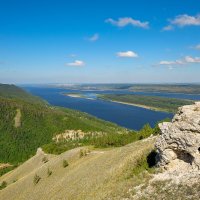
(183, 20)
(127, 54)
(176, 62)
(76, 63)
(168, 28)
(164, 62)
(121, 22)
(186, 60)
(186, 20)
(93, 38)
(190, 59)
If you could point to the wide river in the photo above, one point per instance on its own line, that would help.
(131, 117)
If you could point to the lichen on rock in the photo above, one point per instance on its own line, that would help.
(179, 143)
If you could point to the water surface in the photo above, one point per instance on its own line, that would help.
(131, 117)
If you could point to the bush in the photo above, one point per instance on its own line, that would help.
(7, 169)
(3, 185)
(146, 162)
(82, 153)
(45, 160)
(36, 179)
(49, 172)
(65, 163)
(15, 180)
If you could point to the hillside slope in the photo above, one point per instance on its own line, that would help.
(37, 125)
(101, 174)
(25, 126)
(14, 92)
(118, 173)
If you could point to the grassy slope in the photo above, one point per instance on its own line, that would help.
(151, 102)
(99, 175)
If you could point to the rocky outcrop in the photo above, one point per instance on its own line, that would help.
(179, 143)
(75, 135)
(17, 118)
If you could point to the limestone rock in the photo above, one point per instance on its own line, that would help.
(75, 135)
(179, 143)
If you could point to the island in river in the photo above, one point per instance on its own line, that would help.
(76, 95)
(149, 102)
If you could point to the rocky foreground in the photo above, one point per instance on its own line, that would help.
(178, 156)
(117, 173)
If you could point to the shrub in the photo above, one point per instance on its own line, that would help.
(15, 180)
(84, 152)
(7, 169)
(49, 172)
(3, 185)
(81, 153)
(146, 162)
(65, 163)
(36, 179)
(45, 160)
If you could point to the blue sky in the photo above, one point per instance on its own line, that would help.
(99, 41)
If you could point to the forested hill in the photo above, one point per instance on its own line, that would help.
(14, 92)
(37, 124)
(25, 126)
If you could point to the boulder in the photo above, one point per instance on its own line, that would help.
(179, 142)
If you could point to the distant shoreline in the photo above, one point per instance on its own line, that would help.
(139, 105)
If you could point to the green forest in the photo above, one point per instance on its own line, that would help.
(39, 123)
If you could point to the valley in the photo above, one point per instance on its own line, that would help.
(100, 100)
(74, 155)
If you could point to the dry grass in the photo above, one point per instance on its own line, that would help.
(167, 190)
(98, 175)
(110, 174)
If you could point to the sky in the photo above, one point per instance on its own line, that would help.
(99, 41)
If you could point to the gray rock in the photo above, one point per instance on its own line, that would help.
(180, 139)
